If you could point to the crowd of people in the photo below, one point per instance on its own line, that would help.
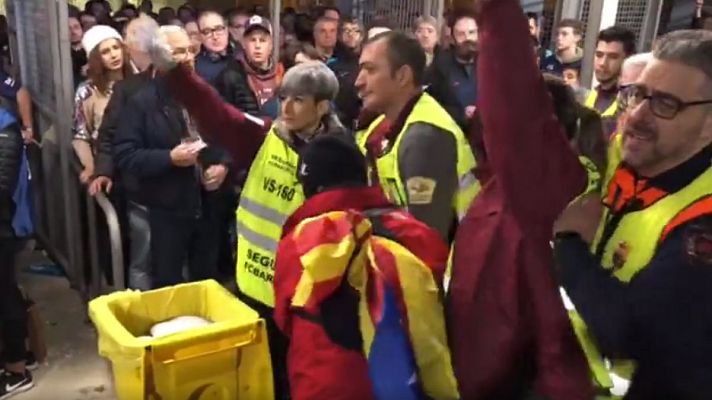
(443, 213)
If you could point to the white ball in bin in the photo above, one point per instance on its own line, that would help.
(178, 324)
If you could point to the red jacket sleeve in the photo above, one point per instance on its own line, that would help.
(239, 133)
(526, 146)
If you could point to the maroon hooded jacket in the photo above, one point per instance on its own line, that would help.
(507, 326)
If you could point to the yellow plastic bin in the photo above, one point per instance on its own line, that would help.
(228, 359)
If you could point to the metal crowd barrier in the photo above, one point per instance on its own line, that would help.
(97, 284)
(39, 42)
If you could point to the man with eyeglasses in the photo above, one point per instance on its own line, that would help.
(643, 285)
(352, 34)
(215, 53)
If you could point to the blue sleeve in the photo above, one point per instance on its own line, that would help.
(131, 152)
(9, 87)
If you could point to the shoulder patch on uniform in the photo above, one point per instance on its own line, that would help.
(698, 244)
(420, 190)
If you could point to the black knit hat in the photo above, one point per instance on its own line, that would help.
(331, 161)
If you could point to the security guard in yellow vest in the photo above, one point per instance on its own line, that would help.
(642, 287)
(611, 109)
(270, 150)
(416, 151)
(613, 46)
(272, 192)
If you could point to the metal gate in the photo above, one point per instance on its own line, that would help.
(640, 16)
(40, 45)
(401, 14)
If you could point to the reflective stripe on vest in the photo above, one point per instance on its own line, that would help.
(426, 110)
(593, 183)
(615, 156)
(271, 193)
(591, 103)
(655, 220)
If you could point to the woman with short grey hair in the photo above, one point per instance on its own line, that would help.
(270, 151)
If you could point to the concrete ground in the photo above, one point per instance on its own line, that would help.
(73, 369)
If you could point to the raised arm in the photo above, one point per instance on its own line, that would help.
(526, 146)
(239, 133)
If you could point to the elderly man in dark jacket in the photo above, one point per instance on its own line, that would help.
(175, 177)
(215, 52)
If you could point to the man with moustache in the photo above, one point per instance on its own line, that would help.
(461, 66)
(643, 285)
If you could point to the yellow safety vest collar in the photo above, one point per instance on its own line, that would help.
(591, 103)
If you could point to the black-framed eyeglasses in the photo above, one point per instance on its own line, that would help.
(218, 30)
(663, 105)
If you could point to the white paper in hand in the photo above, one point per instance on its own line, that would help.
(197, 145)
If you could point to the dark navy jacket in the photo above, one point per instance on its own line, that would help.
(150, 125)
(462, 80)
(209, 65)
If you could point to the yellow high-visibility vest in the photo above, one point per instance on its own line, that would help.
(271, 194)
(610, 112)
(426, 110)
(639, 251)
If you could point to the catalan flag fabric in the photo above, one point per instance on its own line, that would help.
(388, 298)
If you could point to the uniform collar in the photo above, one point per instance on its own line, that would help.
(397, 125)
(682, 175)
(628, 188)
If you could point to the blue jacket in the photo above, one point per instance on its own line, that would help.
(462, 79)
(209, 65)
